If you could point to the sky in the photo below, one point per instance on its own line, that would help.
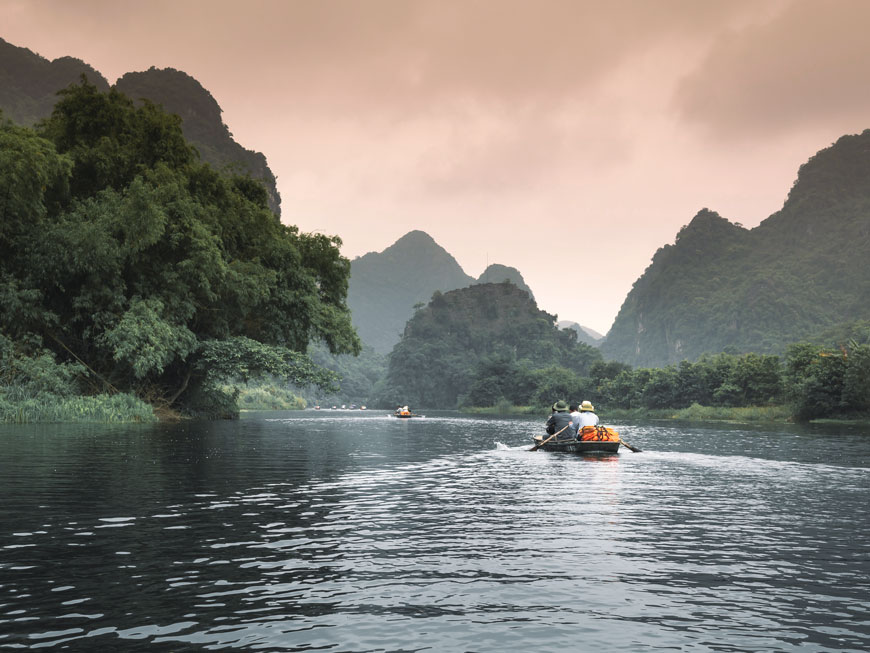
(570, 139)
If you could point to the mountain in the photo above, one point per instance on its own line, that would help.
(496, 273)
(721, 287)
(385, 287)
(28, 91)
(584, 334)
(29, 83)
(481, 343)
(202, 124)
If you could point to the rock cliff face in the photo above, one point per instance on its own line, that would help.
(29, 83)
(720, 287)
(28, 91)
(200, 113)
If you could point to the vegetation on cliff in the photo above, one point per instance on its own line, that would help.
(130, 266)
(720, 287)
(480, 344)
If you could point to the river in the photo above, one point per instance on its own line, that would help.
(352, 531)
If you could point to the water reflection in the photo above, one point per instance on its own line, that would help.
(353, 532)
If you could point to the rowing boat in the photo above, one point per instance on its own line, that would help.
(590, 439)
(578, 446)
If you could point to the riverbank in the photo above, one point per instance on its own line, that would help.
(46, 408)
(694, 412)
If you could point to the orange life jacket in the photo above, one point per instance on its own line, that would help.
(598, 434)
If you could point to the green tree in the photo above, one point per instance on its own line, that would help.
(130, 258)
(814, 380)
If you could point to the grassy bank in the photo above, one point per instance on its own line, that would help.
(504, 408)
(268, 397)
(117, 408)
(707, 413)
(693, 412)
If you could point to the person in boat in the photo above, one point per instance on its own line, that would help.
(558, 420)
(587, 415)
(575, 417)
(402, 411)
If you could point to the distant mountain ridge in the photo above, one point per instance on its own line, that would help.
(584, 334)
(29, 83)
(28, 91)
(386, 286)
(721, 287)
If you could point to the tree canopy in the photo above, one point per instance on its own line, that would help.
(721, 287)
(480, 344)
(122, 252)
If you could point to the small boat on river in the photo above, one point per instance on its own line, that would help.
(591, 439)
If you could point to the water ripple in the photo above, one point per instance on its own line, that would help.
(445, 534)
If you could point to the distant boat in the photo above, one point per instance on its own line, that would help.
(405, 415)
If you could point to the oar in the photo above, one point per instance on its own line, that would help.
(628, 446)
(538, 446)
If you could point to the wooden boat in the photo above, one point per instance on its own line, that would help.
(590, 439)
(577, 446)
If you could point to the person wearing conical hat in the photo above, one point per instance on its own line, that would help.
(558, 420)
(587, 415)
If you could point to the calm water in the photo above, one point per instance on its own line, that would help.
(351, 531)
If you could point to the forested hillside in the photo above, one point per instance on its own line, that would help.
(386, 286)
(179, 93)
(482, 344)
(496, 273)
(129, 266)
(28, 91)
(721, 287)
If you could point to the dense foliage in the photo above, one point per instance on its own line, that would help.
(386, 287)
(180, 94)
(720, 287)
(489, 345)
(123, 254)
(358, 376)
(478, 345)
(28, 91)
(814, 381)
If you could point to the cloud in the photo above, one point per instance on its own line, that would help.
(806, 66)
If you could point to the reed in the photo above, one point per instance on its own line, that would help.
(118, 408)
(699, 413)
(503, 408)
(268, 397)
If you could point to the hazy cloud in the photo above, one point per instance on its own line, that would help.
(808, 64)
(507, 129)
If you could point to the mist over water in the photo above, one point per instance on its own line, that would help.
(353, 531)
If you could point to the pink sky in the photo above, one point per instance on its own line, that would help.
(569, 139)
